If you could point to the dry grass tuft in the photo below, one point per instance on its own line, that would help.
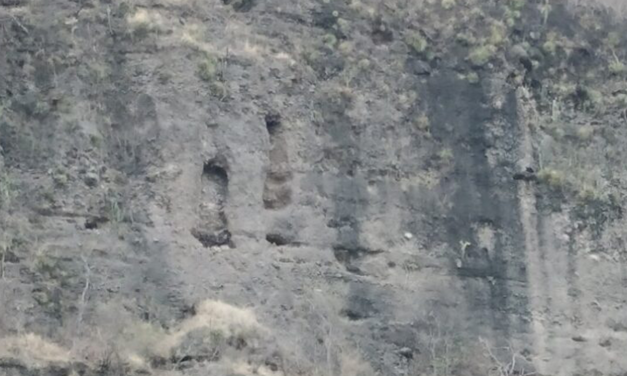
(141, 341)
(231, 321)
(219, 317)
(33, 350)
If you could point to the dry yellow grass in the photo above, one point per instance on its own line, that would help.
(32, 350)
(141, 341)
(219, 317)
(149, 19)
(231, 321)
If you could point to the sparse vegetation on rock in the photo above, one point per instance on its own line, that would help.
(371, 186)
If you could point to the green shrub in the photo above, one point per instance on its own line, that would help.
(422, 123)
(114, 209)
(617, 67)
(329, 40)
(588, 193)
(448, 4)
(60, 177)
(620, 100)
(594, 98)
(551, 44)
(498, 33)
(555, 179)
(465, 39)
(416, 42)
(612, 40)
(208, 68)
(472, 77)
(585, 132)
(481, 55)
(549, 47)
(445, 155)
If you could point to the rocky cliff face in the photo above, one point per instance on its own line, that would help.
(310, 187)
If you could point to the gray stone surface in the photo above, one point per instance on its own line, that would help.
(308, 162)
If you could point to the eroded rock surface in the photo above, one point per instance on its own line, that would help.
(312, 187)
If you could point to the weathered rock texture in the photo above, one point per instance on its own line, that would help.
(381, 187)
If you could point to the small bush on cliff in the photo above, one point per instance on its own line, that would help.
(445, 155)
(143, 22)
(416, 42)
(617, 68)
(481, 55)
(208, 68)
(555, 179)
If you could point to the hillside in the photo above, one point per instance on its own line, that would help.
(312, 187)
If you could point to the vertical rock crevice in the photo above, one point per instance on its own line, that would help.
(212, 228)
(277, 193)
